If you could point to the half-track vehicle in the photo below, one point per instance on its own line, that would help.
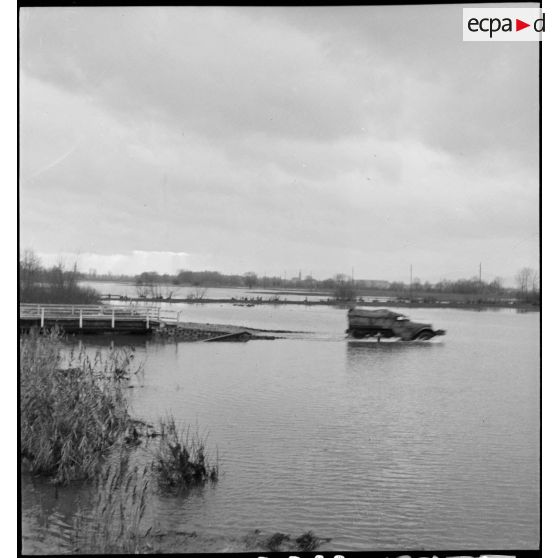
(378, 323)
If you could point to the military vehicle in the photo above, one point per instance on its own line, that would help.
(378, 323)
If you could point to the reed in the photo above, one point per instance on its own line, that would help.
(180, 460)
(116, 522)
(72, 410)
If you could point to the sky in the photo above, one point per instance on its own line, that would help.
(277, 140)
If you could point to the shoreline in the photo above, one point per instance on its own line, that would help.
(194, 331)
(522, 307)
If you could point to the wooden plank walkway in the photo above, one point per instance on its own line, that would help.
(92, 318)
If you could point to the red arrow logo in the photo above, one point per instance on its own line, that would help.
(519, 25)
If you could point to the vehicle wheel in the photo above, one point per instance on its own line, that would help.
(425, 335)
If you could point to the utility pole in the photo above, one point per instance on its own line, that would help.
(411, 285)
(353, 276)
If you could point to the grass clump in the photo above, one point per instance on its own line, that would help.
(71, 412)
(307, 542)
(282, 542)
(180, 460)
(275, 541)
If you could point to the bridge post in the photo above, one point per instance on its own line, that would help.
(112, 322)
(80, 318)
(42, 317)
(177, 318)
(147, 320)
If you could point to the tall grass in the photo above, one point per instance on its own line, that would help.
(71, 412)
(180, 460)
(75, 425)
(116, 522)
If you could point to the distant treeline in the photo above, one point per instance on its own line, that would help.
(342, 286)
(54, 285)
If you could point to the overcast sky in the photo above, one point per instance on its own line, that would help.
(276, 140)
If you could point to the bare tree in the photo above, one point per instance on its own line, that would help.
(200, 292)
(29, 270)
(344, 289)
(142, 291)
(56, 285)
(535, 282)
(167, 292)
(524, 279)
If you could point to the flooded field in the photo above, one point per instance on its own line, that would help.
(131, 290)
(375, 446)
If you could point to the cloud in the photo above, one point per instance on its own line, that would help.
(268, 139)
(134, 262)
(215, 71)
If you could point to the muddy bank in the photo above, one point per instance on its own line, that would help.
(165, 542)
(191, 331)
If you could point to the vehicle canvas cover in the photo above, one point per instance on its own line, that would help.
(376, 313)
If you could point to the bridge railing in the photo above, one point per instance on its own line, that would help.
(88, 311)
(33, 310)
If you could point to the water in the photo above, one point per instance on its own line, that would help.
(377, 446)
(214, 293)
(217, 293)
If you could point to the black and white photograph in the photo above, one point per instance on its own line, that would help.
(279, 276)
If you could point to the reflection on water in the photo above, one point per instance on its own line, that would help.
(384, 445)
(48, 515)
(107, 341)
(387, 345)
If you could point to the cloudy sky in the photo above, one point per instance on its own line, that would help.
(276, 140)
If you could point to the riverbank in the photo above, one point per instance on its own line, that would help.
(192, 331)
(258, 301)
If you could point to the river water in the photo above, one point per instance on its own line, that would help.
(131, 290)
(377, 446)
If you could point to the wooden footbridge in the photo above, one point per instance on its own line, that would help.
(91, 318)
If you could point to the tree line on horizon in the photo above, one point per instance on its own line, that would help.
(58, 284)
(343, 286)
